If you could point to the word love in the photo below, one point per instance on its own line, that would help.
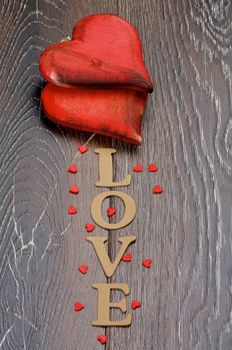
(109, 267)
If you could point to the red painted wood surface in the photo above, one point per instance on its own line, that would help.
(115, 113)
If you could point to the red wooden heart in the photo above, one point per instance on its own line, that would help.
(135, 304)
(111, 211)
(104, 50)
(157, 189)
(127, 257)
(72, 210)
(102, 339)
(89, 227)
(138, 168)
(83, 269)
(115, 113)
(147, 263)
(83, 149)
(74, 189)
(152, 168)
(104, 54)
(78, 307)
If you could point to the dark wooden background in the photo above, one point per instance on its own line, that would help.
(186, 296)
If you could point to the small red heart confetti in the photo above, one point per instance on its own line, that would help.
(138, 168)
(127, 257)
(157, 189)
(83, 149)
(111, 211)
(90, 227)
(72, 210)
(72, 169)
(152, 168)
(78, 307)
(147, 263)
(83, 269)
(135, 304)
(102, 339)
(74, 189)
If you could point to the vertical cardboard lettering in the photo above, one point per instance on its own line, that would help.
(109, 267)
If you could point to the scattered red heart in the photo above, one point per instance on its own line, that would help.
(90, 227)
(74, 189)
(111, 211)
(157, 189)
(78, 307)
(147, 263)
(152, 168)
(83, 149)
(102, 339)
(138, 168)
(72, 210)
(83, 269)
(127, 257)
(72, 169)
(135, 304)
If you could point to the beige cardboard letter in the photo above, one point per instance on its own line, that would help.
(106, 169)
(129, 214)
(108, 266)
(104, 305)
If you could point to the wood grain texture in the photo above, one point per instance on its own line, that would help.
(186, 231)
(41, 246)
(186, 297)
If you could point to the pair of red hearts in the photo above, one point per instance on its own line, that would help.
(135, 304)
(138, 168)
(128, 256)
(84, 268)
(79, 307)
(97, 81)
(71, 209)
(73, 168)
